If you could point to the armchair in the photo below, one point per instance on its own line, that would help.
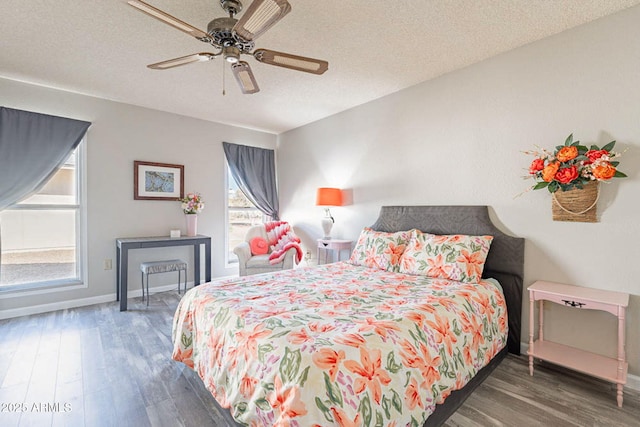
(256, 264)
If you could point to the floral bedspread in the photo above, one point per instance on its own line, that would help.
(337, 345)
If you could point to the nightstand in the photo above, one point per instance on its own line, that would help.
(326, 248)
(606, 368)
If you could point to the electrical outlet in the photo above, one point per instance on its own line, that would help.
(107, 264)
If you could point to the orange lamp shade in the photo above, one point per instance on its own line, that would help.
(329, 197)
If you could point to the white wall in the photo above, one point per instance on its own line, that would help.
(119, 135)
(459, 139)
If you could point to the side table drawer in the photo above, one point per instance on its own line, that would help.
(562, 299)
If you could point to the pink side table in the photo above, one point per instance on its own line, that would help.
(606, 368)
(327, 246)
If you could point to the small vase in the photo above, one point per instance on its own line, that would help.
(192, 224)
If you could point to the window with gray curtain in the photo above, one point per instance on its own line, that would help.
(33, 147)
(254, 170)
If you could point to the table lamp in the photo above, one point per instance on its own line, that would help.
(328, 197)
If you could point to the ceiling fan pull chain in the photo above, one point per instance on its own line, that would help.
(224, 92)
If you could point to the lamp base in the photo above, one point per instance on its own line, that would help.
(327, 224)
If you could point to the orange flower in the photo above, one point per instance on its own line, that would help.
(603, 171)
(329, 359)
(248, 386)
(287, 401)
(352, 340)
(184, 357)
(248, 342)
(427, 365)
(468, 359)
(549, 171)
(566, 175)
(380, 327)
(437, 267)
(395, 251)
(536, 166)
(594, 155)
(473, 261)
(298, 337)
(444, 334)
(484, 306)
(417, 318)
(567, 153)
(216, 344)
(317, 327)
(502, 323)
(471, 324)
(341, 418)
(412, 395)
(370, 372)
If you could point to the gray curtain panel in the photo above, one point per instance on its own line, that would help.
(254, 170)
(33, 147)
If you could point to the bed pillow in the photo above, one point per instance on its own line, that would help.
(259, 246)
(378, 249)
(455, 257)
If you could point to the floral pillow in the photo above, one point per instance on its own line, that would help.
(378, 249)
(455, 257)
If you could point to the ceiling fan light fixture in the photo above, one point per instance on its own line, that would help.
(293, 62)
(231, 54)
(244, 76)
(260, 16)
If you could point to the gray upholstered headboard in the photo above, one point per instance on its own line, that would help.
(504, 263)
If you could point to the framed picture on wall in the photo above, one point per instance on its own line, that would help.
(157, 181)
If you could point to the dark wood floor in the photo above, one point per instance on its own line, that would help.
(94, 366)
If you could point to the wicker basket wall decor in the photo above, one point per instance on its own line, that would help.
(576, 205)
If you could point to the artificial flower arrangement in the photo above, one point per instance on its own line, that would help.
(192, 204)
(573, 165)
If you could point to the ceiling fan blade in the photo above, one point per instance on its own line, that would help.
(260, 16)
(171, 20)
(294, 62)
(183, 60)
(243, 74)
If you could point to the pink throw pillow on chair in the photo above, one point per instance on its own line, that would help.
(259, 246)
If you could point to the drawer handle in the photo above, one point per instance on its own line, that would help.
(573, 303)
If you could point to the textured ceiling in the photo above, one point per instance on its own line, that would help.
(374, 47)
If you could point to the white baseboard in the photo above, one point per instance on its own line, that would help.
(54, 306)
(633, 381)
(63, 305)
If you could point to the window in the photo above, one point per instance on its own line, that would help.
(241, 214)
(41, 234)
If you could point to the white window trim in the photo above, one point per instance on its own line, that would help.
(81, 279)
(227, 261)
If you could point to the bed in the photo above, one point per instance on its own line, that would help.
(346, 344)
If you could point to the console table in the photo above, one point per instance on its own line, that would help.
(609, 369)
(123, 245)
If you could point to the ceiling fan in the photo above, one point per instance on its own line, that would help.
(235, 37)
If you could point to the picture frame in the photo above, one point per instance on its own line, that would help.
(157, 181)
